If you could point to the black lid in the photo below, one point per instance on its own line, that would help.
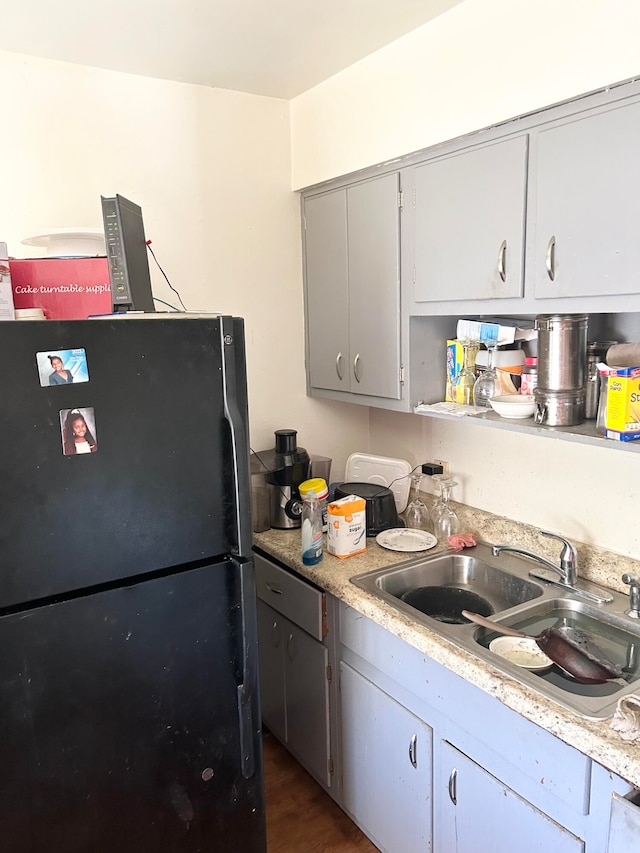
(286, 441)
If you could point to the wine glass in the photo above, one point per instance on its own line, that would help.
(467, 377)
(487, 385)
(445, 520)
(416, 515)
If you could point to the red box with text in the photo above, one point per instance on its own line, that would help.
(65, 288)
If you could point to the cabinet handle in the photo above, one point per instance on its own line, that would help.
(356, 362)
(502, 257)
(273, 589)
(453, 787)
(339, 369)
(290, 649)
(275, 635)
(413, 755)
(551, 258)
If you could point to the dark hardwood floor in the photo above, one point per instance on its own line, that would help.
(301, 817)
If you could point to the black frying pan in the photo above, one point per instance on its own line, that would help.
(570, 648)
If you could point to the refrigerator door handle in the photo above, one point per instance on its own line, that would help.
(239, 441)
(247, 697)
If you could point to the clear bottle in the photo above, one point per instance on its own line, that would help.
(311, 529)
(466, 379)
(319, 486)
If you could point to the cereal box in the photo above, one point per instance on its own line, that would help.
(347, 526)
(623, 405)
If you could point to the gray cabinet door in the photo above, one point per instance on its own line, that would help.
(386, 766)
(469, 223)
(476, 813)
(374, 286)
(271, 639)
(306, 662)
(327, 290)
(352, 265)
(585, 206)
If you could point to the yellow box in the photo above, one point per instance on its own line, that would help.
(623, 404)
(455, 355)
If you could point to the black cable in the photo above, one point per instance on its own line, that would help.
(155, 299)
(165, 275)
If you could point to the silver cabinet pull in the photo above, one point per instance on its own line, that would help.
(356, 362)
(453, 787)
(502, 257)
(413, 755)
(273, 589)
(275, 635)
(339, 368)
(290, 650)
(551, 258)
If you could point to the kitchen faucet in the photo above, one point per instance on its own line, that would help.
(567, 570)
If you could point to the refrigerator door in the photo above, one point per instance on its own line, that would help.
(167, 483)
(120, 719)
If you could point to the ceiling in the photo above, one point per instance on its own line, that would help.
(277, 48)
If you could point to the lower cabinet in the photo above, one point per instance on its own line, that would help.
(295, 637)
(386, 766)
(477, 812)
(294, 690)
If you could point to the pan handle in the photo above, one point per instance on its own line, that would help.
(494, 626)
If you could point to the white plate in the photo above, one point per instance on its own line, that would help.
(406, 539)
(383, 471)
(70, 242)
(523, 651)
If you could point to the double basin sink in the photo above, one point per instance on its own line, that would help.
(433, 589)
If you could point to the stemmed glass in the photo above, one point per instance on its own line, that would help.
(445, 521)
(487, 385)
(416, 515)
(467, 376)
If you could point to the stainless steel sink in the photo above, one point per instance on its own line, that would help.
(517, 601)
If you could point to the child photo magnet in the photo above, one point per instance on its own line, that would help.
(78, 427)
(62, 367)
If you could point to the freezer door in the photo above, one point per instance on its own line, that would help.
(121, 722)
(167, 483)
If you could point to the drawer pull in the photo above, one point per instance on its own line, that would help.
(274, 589)
(413, 754)
(502, 256)
(453, 787)
(551, 258)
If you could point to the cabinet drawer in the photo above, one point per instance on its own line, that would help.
(304, 605)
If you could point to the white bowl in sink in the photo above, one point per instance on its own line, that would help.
(514, 405)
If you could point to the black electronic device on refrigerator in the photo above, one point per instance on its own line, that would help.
(128, 665)
(127, 255)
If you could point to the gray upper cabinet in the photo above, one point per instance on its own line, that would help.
(469, 223)
(585, 205)
(352, 271)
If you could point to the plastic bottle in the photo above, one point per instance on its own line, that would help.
(311, 529)
(319, 486)
(529, 376)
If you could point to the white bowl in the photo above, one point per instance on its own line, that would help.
(514, 405)
(523, 651)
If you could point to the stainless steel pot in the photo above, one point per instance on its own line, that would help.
(559, 408)
(562, 351)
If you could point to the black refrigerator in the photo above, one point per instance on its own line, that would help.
(128, 653)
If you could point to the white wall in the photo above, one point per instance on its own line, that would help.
(211, 170)
(480, 63)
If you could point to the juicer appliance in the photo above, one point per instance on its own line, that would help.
(286, 466)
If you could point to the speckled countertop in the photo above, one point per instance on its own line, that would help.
(594, 738)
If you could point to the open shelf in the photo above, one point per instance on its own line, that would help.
(584, 433)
